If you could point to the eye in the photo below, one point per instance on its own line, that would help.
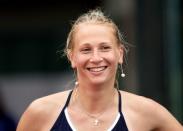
(86, 50)
(105, 48)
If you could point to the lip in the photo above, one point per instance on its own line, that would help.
(97, 69)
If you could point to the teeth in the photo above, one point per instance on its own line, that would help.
(97, 69)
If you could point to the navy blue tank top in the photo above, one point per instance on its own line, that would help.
(62, 123)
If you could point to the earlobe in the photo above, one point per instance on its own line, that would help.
(73, 65)
(70, 57)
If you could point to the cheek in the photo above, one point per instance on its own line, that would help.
(80, 60)
(112, 58)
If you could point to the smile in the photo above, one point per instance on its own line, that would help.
(97, 69)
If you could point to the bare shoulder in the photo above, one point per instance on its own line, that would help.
(149, 112)
(42, 110)
(138, 102)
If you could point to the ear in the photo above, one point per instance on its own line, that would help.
(121, 54)
(70, 56)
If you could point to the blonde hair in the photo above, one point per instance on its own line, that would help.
(95, 16)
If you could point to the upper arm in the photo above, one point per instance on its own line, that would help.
(142, 113)
(42, 113)
(31, 118)
(164, 120)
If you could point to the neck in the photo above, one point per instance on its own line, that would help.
(95, 99)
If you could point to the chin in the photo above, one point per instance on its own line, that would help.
(98, 81)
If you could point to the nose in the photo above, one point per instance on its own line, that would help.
(96, 58)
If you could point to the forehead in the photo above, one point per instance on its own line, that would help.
(90, 32)
(92, 25)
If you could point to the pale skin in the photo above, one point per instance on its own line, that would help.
(95, 56)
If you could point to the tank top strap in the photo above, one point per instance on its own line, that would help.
(125, 128)
(68, 99)
(119, 100)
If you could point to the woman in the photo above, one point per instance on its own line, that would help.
(95, 49)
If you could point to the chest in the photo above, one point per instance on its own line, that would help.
(82, 122)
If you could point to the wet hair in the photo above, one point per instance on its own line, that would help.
(95, 16)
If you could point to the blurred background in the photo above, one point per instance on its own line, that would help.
(33, 32)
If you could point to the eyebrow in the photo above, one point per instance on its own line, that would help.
(102, 43)
(86, 44)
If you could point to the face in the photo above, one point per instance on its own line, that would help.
(96, 53)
